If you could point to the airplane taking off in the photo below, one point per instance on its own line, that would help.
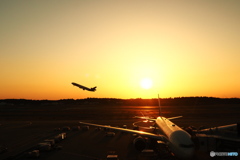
(178, 140)
(84, 88)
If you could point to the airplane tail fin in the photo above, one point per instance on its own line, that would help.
(160, 110)
(160, 113)
(94, 88)
(159, 105)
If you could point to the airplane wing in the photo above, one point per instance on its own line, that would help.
(226, 127)
(175, 117)
(142, 133)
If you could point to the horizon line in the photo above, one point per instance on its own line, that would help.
(117, 98)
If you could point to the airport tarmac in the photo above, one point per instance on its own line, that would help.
(28, 126)
(21, 137)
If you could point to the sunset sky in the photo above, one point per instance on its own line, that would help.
(186, 48)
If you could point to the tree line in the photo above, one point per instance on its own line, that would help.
(131, 102)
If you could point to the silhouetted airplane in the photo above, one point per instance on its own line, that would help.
(84, 88)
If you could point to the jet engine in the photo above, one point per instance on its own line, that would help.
(140, 143)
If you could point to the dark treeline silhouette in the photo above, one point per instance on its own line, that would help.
(131, 102)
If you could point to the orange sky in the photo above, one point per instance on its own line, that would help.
(187, 48)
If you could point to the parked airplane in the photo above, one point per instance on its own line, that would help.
(84, 88)
(178, 140)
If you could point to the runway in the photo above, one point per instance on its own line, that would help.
(28, 126)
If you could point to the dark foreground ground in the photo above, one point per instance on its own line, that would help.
(22, 127)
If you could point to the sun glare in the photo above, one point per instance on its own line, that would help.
(146, 83)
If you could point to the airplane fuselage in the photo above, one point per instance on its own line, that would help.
(180, 141)
(83, 87)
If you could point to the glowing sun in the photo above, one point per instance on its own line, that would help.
(146, 83)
